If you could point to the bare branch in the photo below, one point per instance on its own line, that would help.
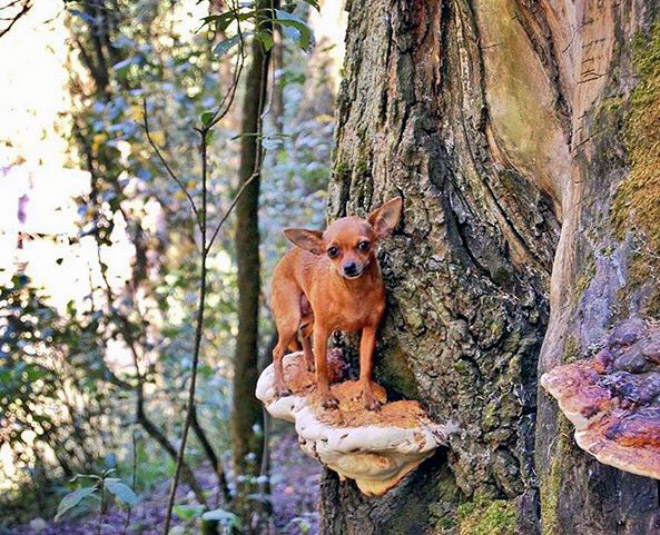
(256, 171)
(198, 339)
(230, 209)
(176, 179)
(87, 59)
(220, 113)
(212, 456)
(14, 19)
(141, 416)
(228, 99)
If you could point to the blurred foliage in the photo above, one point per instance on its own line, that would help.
(66, 406)
(54, 387)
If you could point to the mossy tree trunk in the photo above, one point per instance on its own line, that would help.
(510, 128)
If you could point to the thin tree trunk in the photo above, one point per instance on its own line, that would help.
(278, 87)
(493, 120)
(246, 410)
(103, 167)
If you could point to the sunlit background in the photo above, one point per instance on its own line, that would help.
(46, 237)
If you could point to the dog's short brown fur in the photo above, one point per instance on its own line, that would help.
(329, 282)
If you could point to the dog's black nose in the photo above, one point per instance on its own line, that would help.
(350, 268)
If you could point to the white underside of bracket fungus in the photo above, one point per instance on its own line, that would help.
(377, 454)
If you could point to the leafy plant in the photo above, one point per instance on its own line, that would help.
(225, 518)
(73, 500)
(188, 512)
(102, 486)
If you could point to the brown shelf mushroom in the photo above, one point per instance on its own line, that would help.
(377, 449)
(614, 399)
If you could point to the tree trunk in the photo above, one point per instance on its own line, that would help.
(246, 409)
(507, 126)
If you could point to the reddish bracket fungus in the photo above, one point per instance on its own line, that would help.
(614, 399)
(376, 449)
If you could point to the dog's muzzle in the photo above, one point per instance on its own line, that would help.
(351, 270)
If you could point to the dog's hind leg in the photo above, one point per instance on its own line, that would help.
(306, 331)
(285, 303)
(309, 354)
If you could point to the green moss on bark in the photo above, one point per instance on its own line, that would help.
(637, 201)
(395, 372)
(551, 485)
(483, 516)
(571, 350)
(583, 281)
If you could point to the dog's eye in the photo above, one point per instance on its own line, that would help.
(363, 246)
(333, 251)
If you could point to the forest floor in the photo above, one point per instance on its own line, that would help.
(295, 487)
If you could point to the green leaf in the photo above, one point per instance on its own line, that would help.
(206, 117)
(122, 492)
(188, 512)
(206, 371)
(125, 64)
(226, 518)
(34, 373)
(72, 500)
(266, 39)
(260, 497)
(223, 20)
(225, 46)
(301, 33)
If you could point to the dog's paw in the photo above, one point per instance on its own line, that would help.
(282, 391)
(372, 404)
(330, 402)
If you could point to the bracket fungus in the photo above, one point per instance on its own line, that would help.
(613, 400)
(377, 449)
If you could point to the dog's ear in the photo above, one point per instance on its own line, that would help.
(310, 240)
(385, 218)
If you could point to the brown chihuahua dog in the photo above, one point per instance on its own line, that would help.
(329, 282)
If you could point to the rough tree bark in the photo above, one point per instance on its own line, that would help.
(520, 135)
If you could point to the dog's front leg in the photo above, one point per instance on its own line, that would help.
(367, 344)
(320, 358)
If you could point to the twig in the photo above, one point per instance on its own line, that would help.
(99, 525)
(198, 337)
(220, 113)
(229, 97)
(231, 209)
(134, 482)
(176, 179)
(26, 7)
(257, 164)
(212, 455)
(141, 416)
(10, 4)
